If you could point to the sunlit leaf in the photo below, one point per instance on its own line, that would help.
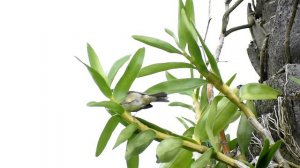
(154, 42)
(169, 77)
(171, 33)
(133, 162)
(168, 149)
(192, 45)
(176, 85)
(189, 8)
(108, 104)
(180, 104)
(94, 61)
(256, 91)
(106, 133)
(204, 160)
(129, 75)
(115, 68)
(296, 80)
(181, 27)
(99, 80)
(190, 121)
(203, 97)
(154, 68)
(126, 134)
(139, 143)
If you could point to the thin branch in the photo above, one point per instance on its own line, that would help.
(237, 28)
(288, 32)
(209, 19)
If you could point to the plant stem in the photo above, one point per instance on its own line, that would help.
(188, 144)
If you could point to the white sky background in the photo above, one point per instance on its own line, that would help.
(44, 89)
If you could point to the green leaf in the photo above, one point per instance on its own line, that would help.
(157, 43)
(189, 8)
(193, 46)
(154, 68)
(94, 61)
(129, 75)
(168, 149)
(190, 121)
(133, 162)
(108, 104)
(106, 133)
(212, 61)
(116, 67)
(186, 92)
(210, 121)
(233, 144)
(182, 122)
(139, 143)
(180, 104)
(183, 159)
(171, 33)
(244, 133)
(267, 154)
(204, 160)
(126, 134)
(176, 85)
(256, 91)
(203, 98)
(99, 80)
(228, 83)
(181, 27)
(200, 132)
(227, 112)
(296, 80)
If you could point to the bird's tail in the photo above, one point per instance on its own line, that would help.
(160, 97)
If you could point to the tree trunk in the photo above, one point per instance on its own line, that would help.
(267, 53)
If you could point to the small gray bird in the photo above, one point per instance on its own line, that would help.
(135, 101)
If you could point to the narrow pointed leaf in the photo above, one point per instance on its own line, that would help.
(212, 61)
(227, 112)
(182, 122)
(155, 68)
(294, 79)
(129, 75)
(180, 104)
(244, 133)
(189, 8)
(256, 91)
(139, 143)
(106, 133)
(190, 121)
(169, 77)
(183, 159)
(267, 154)
(192, 45)
(115, 68)
(176, 85)
(94, 61)
(200, 132)
(108, 104)
(168, 149)
(204, 160)
(169, 32)
(126, 134)
(157, 43)
(203, 97)
(228, 83)
(212, 112)
(133, 162)
(181, 27)
(99, 80)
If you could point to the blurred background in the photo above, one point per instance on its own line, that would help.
(44, 90)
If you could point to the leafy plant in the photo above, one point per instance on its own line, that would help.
(204, 135)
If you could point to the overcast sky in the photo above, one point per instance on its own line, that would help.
(44, 89)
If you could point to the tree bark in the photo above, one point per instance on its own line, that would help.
(270, 61)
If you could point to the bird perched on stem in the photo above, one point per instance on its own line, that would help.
(135, 101)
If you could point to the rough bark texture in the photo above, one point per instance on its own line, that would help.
(271, 20)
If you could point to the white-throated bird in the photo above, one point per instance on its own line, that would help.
(135, 101)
